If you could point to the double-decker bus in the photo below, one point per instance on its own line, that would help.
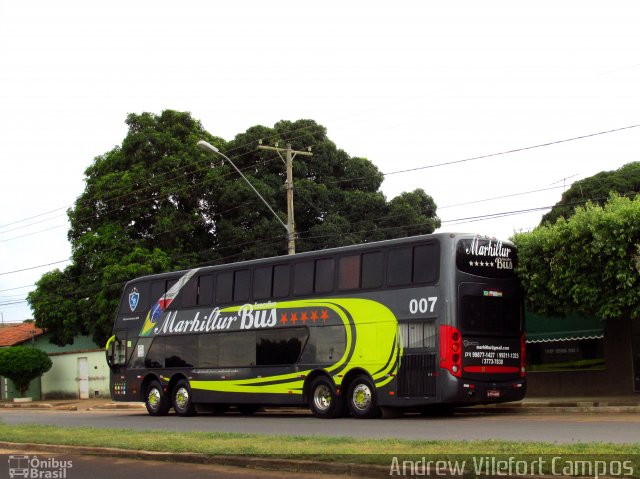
(405, 323)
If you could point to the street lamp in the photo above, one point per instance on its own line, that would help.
(209, 147)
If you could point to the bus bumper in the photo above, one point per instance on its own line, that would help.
(464, 391)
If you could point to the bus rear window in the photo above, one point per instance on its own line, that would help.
(487, 314)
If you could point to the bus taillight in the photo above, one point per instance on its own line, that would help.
(523, 355)
(450, 349)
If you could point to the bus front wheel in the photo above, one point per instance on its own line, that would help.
(182, 402)
(324, 402)
(156, 401)
(361, 399)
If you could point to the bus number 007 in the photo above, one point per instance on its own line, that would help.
(423, 305)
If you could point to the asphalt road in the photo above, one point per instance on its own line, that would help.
(556, 427)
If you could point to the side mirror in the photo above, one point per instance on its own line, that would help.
(109, 351)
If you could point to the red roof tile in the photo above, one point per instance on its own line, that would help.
(18, 334)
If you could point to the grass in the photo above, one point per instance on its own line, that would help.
(340, 449)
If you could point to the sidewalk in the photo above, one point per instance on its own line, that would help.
(93, 404)
(612, 404)
(602, 404)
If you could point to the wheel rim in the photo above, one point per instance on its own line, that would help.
(361, 397)
(182, 398)
(322, 397)
(154, 398)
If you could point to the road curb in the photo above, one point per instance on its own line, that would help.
(552, 409)
(244, 462)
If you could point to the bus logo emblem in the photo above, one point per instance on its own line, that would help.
(134, 297)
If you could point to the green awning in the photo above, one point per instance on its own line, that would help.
(541, 329)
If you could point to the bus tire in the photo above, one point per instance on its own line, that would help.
(324, 402)
(182, 402)
(156, 400)
(361, 398)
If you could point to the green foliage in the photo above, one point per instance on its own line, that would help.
(159, 203)
(624, 181)
(587, 264)
(22, 364)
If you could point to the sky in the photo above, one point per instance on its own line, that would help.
(406, 84)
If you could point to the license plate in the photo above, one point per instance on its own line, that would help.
(493, 393)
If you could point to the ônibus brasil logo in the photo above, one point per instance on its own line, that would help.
(35, 467)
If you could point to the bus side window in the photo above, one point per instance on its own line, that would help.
(280, 346)
(281, 280)
(324, 275)
(349, 272)
(189, 293)
(224, 287)
(262, 278)
(399, 266)
(425, 263)
(155, 355)
(181, 351)
(303, 278)
(205, 290)
(237, 349)
(139, 352)
(241, 284)
(208, 350)
(372, 271)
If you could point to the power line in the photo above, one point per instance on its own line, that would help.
(18, 287)
(35, 267)
(499, 197)
(160, 175)
(515, 150)
(481, 157)
(35, 216)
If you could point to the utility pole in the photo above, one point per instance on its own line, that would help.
(290, 155)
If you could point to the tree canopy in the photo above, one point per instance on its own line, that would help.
(588, 264)
(22, 364)
(624, 181)
(158, 203)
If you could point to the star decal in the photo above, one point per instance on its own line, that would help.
(283, 318)
(304, 317)
(314, 316)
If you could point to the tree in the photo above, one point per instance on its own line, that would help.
(588, 264)
(22, 365)
(624, 181)
(158, 203)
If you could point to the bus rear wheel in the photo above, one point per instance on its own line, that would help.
(362, 400)
(324, 401)
(182, 402)
(156, 400)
